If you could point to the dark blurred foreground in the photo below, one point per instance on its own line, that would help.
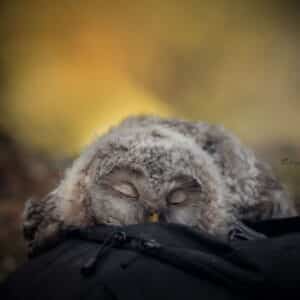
(142, 261)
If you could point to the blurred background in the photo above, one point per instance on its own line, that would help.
(71, 69)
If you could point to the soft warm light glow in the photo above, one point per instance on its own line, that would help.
(75, 68)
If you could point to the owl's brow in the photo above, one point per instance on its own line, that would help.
(126, 169)
(185, 181)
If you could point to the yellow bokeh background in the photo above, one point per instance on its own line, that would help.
(72, 69)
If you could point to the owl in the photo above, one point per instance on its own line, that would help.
(150, 169)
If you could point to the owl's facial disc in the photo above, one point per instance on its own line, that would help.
(131, 196)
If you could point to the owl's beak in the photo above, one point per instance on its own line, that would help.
(153, 217)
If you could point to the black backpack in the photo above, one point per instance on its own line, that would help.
(163, 261)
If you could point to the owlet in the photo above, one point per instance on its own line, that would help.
(167, 170)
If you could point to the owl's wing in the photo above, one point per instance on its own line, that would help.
(271, 198)
(252, 186)
(262, 194)
(41, 220)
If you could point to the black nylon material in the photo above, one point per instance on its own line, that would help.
(164, 261)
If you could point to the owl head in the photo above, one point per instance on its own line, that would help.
(149, 169)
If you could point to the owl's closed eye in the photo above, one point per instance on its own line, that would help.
(126, 189)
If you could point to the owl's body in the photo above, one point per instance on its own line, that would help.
(182, 172)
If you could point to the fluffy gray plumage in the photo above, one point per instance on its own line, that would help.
(189, 173)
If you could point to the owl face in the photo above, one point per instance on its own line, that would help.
(154, 181)
(127, 196)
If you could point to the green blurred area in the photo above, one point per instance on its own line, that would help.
(71, 69)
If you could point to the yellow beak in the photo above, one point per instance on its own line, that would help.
(153, 218)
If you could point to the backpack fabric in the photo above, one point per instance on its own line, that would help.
(163, 261)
